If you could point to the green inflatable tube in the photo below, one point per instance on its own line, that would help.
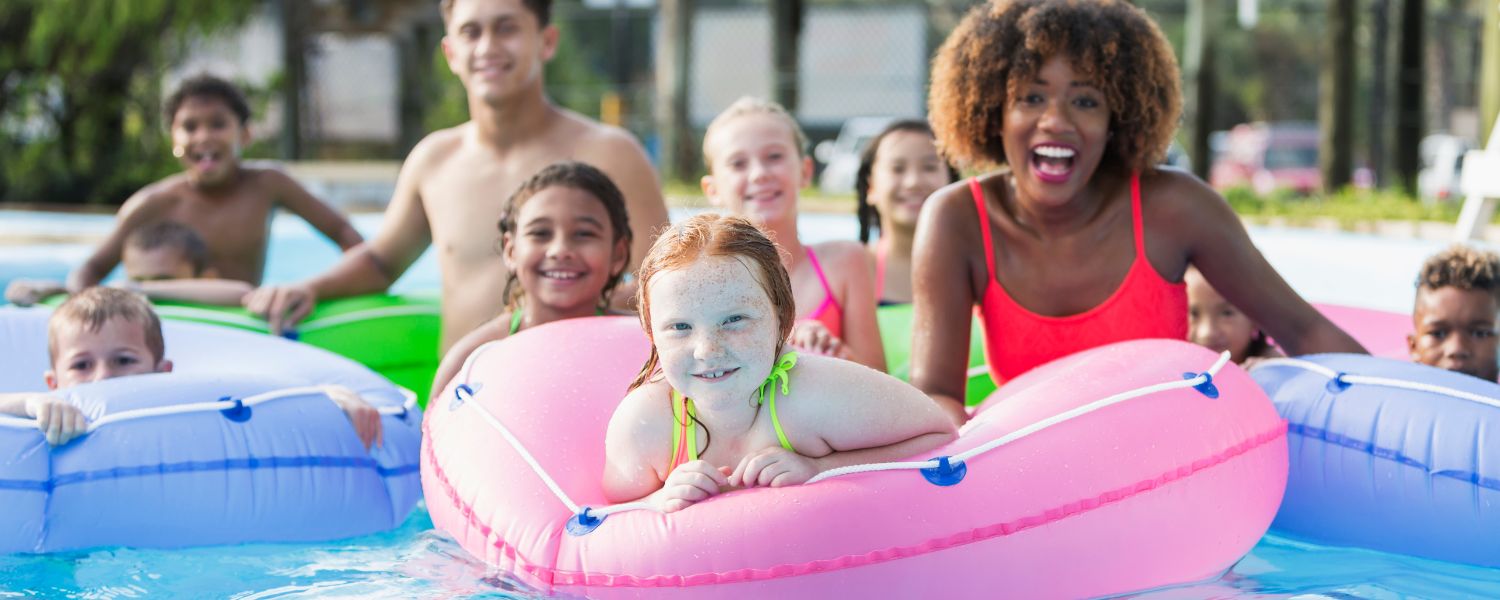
(895, 334)
(394, 335)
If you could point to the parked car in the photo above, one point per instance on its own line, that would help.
(841, 154)
(1268, 156)
(1442, 161)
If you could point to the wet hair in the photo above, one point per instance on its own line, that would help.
(581, 177)
(1463, 267)
(204, 85)
(869, 216)
(541, 8)
(750, 105)
(174, 235)
(1001, 45)
(95, 306)
(715, 235)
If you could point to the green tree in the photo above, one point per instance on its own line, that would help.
(80, 91)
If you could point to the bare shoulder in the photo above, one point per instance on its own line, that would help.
(645, 411)
(597, 143)
(1170, 191)
(156, 198)
(828, 378)
(435, 147)
(951, 205)
(847, 253)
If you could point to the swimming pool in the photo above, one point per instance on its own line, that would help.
(416, 561)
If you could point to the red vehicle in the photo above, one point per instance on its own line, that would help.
(1267, 157)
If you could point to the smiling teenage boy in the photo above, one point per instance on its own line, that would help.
(453, 183)
(227, 202)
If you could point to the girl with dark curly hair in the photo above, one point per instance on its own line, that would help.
(1076, 101)
(897, 172)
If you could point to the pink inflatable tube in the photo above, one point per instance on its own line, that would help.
(1154, 482)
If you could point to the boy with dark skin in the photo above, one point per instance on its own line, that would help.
(452, 186)
(1458, 295)
(227, 202)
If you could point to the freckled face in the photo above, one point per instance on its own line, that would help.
(117, 349)
(715, 329)
(1455, 330)
(1213, 322)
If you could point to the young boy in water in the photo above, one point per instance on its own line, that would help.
(165, 261)
(1458, 295)
(103, 333)
(226, 201)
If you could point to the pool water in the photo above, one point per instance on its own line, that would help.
(416, 561)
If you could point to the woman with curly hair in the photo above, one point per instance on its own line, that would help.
(1079, 240)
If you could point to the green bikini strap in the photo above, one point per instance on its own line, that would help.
(781, 372)
(679, 417)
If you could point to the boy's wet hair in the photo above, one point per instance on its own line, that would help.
(1000, 46)
(1462, 267)
(541, 8)
(869, 216)
(204, 85)
(95, 306)
(582, 177)
(174, 235)
(750, 105)
(715, 235)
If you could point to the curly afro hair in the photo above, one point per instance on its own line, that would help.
(1463, 267)
(1002, 44)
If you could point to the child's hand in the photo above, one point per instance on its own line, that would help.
(773, 467)
(690, 482)
(26, 292)
(366, 418)
(815, 338)
(281, 306)
(58, 420)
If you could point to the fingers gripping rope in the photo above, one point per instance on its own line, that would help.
(945, 470)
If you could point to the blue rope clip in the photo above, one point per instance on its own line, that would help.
(584, 523)
(1337, 384)
(1207, 388)
(461, 394)
(946, 473)
(239, 413)
(291, 334)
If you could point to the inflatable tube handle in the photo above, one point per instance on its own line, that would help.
(584, 523)
(237, 412)
(946, 472)
(1207, 388)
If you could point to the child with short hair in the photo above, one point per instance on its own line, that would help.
(1458, 295)
(102, 333)
(716, 302)
(565, 239)
(165, 260)
(226, 201)
(756, 167)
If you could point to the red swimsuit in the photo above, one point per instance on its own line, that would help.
(1017, 340)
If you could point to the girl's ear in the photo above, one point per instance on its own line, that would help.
(617, 263)
(508, 250)
(807, 171)
(710, 190)
(51, 378)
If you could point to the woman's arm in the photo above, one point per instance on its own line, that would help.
(947, 245)
(1217, 243)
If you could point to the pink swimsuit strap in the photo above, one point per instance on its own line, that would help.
(829, 312)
